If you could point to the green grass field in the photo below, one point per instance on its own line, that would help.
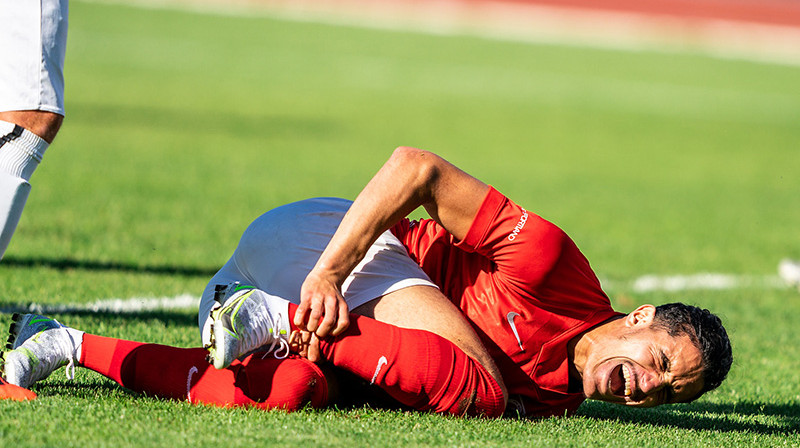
(183, 127)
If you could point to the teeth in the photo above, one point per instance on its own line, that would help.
(627, 376)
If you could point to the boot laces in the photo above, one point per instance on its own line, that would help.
(267, 331)
(68, 346)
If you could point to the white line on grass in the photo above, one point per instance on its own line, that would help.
(707, 280)
(644, 284)
(121, 306)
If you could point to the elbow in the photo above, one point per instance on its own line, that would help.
(423, 166)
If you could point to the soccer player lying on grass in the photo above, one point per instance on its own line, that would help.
(545, 335)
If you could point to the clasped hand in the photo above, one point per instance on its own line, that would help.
(322, 309)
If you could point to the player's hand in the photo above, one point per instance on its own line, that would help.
(322, 309)
(306, 344)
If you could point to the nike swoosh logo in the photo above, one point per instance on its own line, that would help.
(192, 371)
(36, 321)
(381, 362)
(510, 316)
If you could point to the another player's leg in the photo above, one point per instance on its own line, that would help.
(417, 368)
(31, 97)
(20, 154)
(42, 345)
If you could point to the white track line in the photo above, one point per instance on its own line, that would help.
(643, 284)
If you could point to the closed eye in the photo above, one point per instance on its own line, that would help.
(669, 394)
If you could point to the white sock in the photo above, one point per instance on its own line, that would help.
(20, 150)
(20, 154)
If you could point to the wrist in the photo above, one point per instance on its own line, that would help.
(327, 273)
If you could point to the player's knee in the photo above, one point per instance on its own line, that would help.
(47, 126)
(44, 124)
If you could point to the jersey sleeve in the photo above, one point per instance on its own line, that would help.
(523, 245)
(532, 255)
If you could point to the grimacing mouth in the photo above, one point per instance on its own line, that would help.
(621, 381)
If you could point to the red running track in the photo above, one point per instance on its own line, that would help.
(769, 12)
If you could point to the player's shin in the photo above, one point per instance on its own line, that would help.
(184, 374)
(20, 154)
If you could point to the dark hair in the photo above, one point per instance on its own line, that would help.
(706, 331)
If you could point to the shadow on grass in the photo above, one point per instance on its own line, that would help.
(88, 391)
(66, 264)
(725, 417)
(111, 319)
(168, 318)
(230, 121)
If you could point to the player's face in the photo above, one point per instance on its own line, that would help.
(642, 366)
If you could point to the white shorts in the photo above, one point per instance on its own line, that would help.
(280, 247)
(33, 42)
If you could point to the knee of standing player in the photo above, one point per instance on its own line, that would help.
(44, 124)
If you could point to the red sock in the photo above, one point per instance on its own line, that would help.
(184, 374)
(417, 368)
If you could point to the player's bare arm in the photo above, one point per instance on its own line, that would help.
(409, 179)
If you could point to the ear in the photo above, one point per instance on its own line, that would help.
(641, 317)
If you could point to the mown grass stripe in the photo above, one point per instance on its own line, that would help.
(643, 284)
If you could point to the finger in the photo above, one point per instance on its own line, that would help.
(330, 318)
(344, 319)
(305, 338)
(296, 344)
(314, 352)
(313, 321)
(300, 314)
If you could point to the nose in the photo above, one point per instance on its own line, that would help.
(650, 383)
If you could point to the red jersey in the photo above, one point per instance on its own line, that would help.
(526, 289)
